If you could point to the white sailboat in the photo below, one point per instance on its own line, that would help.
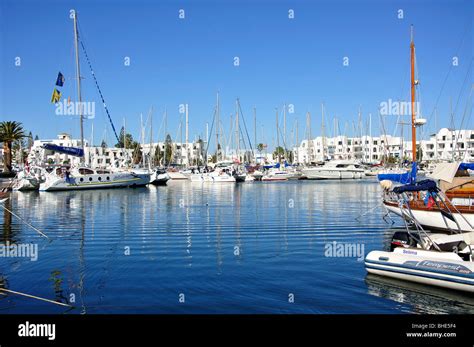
(439, 259)
(86, 178)
(79, 178)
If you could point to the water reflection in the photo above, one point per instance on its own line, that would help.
(420, 298)
(236, 247)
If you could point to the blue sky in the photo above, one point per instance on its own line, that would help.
(174, 61)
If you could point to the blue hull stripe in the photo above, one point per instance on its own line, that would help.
(432, 270)
(431, 276)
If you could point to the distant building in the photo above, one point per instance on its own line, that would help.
(101, 157)
(445, 145)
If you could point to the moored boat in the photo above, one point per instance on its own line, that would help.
(85, 178)
(336, 169)
(159, 177)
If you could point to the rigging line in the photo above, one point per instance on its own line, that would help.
(457, 104)
(99, 90)
(462, 120)
(210, 133)
(462, 87)
(449, 71)
(245, 125)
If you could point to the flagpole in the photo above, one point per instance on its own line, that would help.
(78, 76)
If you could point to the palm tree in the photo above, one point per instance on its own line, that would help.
(10, 131)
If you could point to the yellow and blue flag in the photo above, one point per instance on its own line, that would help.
(56, 96)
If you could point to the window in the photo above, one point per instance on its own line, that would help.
(84, 171)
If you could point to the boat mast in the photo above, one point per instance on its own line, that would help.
(284, 127)
(237, 132)
(296, 144)
(323, 130)
(217, 128)
(187, 136)
(413, 83)
(255, 133)
(78, 77)
(278, 139)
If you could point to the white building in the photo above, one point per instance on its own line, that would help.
(101, 157)
(448, 144)
(445, 145)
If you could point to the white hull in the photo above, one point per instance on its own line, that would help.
(441, 269)
(434, 219)
(176, 176)
(332, 174)
(24, 184)
(281, 176)
(209, 177)
(95, 181)
(275, 178)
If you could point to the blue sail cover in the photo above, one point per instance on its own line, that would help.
(276, 166)
(77, 152)
(428, 185)
(404, 178)
(466, 166)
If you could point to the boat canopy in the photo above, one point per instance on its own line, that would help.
(77, 152)
(428, 185)
(276, 166)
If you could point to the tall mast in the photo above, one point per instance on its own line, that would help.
(297, 144)
(323, 130)
(370, 136)
(237, 130)
(78, 77)
(143, 137)
(217, 128)
(255, 132)
(278, 139)
(413, 83)
(187, 136)
(284, 126)
(151, 153)
(308, 126)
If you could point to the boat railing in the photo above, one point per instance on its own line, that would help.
(412, 199)
(407, 215)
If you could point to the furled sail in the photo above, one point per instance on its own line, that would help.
(77, 152)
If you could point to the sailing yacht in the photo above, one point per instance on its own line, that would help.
(81, 178)
(445, 258)
(452, 208)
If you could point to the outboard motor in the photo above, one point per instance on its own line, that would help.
(402, 239)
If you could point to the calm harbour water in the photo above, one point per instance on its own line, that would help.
(229, 248)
